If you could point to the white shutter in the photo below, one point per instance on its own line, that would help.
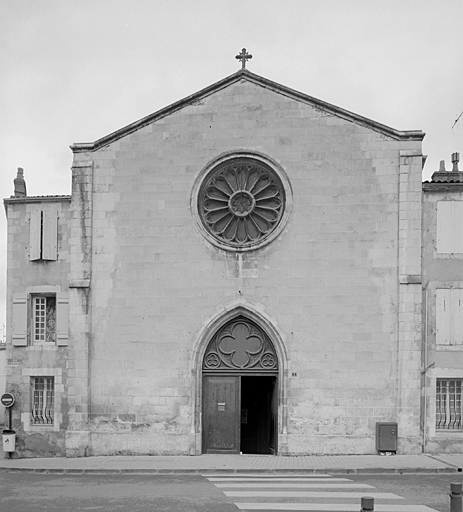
(19, 338)
(456, 327)
(457, 224)
(62, 319)
(49, 235)
(35, 229)
(450, 227)
(443, 316)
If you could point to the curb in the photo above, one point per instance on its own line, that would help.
(336, 471)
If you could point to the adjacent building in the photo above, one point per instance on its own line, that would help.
(443, 310)
(241, 271)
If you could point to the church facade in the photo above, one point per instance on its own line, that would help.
(240, 271)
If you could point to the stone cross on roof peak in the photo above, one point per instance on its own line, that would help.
(243, 57)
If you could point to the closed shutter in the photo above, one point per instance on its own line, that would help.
(35, 235)
(456, 326)
(457, 222)
(443, 316)
(449, 316)
(50, 235)
(450, 227)
(19, 338)
(62, 319)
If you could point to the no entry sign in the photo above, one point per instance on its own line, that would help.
(7, 399)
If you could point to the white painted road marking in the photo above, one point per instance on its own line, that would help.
(270, 475)
(299, 494)
(331, 507)
(279, 480)
(315, 494)
(294, 486)
(306, 486)
(270, 488)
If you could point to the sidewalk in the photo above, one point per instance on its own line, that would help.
(241, 464)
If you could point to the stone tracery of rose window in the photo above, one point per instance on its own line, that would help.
(241, 202)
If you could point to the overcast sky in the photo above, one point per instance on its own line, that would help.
(76, 70)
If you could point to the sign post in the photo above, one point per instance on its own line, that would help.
(7, 400)
(9, 438)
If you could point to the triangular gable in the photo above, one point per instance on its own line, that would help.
(263, 82)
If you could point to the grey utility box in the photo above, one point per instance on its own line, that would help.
(386, 437)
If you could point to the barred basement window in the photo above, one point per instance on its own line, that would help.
(43, 400)
(448, 404)
(44, 318)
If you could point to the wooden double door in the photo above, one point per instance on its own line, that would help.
(240, 414)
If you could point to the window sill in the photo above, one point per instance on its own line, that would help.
(42, 346)
(448, 348)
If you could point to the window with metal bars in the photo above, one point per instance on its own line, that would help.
(43, 400)
(448, 404)
(44, 318)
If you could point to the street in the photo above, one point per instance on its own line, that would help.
(32, 492)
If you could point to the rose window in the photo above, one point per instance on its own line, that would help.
(241, 202)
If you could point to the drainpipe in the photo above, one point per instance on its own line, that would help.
(425, 394)
(424, 371)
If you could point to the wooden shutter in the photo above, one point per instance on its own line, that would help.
(443, 310)
(62, 319)
(449, 316)
(456, 325)
(50, 235)
(450, 227)
(35, 230)
(457, 225)
(19, 338)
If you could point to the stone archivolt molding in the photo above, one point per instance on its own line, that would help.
(240, 345)
(241, 202)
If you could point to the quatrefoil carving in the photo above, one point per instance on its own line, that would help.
(240, 345)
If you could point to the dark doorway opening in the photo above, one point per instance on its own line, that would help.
(258, 415)
(240, 414)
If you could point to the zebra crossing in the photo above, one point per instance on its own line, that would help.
(315, 493)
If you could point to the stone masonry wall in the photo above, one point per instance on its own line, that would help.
(329, 283)
(36, 360)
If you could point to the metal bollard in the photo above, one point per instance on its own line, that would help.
(455, 497)
(367, 503)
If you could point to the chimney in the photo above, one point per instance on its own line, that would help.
(455, 160)
(20, 184)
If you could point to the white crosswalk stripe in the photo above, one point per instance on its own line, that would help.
(277, 481)
(308, 485)
(322, 507)
(348, 495)
(315, 493)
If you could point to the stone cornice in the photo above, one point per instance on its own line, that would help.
(442, 187)
(244, 74)
(34, 199)
(37, 199)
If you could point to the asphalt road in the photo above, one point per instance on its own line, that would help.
(30, 492)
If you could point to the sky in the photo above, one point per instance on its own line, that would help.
(76, 70)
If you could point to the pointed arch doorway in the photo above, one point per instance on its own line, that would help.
(240, 390)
